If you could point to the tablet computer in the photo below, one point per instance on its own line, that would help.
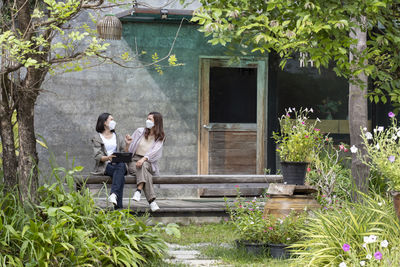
(122, 157)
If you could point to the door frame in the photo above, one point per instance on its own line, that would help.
(205, 62)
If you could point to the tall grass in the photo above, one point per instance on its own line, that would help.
(66, 229)
(327, 232)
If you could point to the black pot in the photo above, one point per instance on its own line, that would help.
(294, 172)
(252, 248)
(279, 251)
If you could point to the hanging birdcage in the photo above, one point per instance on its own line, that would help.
(109, 28)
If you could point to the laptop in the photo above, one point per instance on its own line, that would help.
(122, 157)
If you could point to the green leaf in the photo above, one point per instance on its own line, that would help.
(52, 211)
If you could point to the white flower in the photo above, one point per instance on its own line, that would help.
(366, 239)
(362, 263)
(398, 133)
(280, 221)
(380, 128)
(377, 146)
(394, 137)
(288, 238)
(365, 244)
(343, 264)
(369, 256)
(318, 120)
(311, 110)
(290, 110)
(365, 129)
(368, 135)
(353, 149)
(380, 204)
(285, 183)
(251, 222)
(372, 238)
(306, 109)
(384, 243)
(375, 130)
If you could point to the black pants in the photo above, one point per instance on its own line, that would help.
(117, 172)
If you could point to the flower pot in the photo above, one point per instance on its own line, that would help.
(294, 172)
(279, 251)
(252, 248)
(396, 203)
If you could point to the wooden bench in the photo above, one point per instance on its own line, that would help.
(208, 185)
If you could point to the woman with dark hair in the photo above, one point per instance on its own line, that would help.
(146, 144)
(105, 143)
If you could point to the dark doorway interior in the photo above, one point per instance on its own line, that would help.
(233, 95)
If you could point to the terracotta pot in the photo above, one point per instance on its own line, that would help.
(396, 202)
(281, 206)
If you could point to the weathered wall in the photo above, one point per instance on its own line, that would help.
(67, 112)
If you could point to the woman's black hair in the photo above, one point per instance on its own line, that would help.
(100, 122)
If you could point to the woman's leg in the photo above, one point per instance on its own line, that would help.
(117, 172)
(144, 176)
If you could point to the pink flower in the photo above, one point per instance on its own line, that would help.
(345, 150)
(308, 169)
(346, 247)
(391, 114)
(317, 130)
(236, 186)
(270, 228)
(303, 122)
(341, 147)
(288, 115)
(306, 136)
(378, 255)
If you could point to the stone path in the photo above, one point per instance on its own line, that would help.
(190, 256)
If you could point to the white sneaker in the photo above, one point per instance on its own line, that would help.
(136, 196)
(113, 199)
(154, 206)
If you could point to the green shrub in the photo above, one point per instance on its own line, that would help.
(66, 229)
(327, 233)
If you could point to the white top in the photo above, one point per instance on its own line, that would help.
(110, 144)
(145, 145)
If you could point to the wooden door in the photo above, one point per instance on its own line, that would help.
(232, 117)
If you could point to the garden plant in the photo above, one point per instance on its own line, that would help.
(66, 229)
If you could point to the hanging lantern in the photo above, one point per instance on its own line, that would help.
(110, 28)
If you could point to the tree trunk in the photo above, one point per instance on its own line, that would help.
(358, 112)
(28, 157)
(7, 141)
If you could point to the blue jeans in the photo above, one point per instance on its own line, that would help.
(117, 171)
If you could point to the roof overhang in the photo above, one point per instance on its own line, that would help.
(155, 15)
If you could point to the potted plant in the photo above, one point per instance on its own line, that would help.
(298, 142)
(383, 150)
(282, 232)
(250, 227)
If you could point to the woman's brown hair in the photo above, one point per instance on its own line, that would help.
(158, 127)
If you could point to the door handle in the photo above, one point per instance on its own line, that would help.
(208, 127)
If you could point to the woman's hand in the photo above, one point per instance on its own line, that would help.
(128, 139)
(140, 162)
(107, 158)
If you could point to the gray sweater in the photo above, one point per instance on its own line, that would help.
(99, 150)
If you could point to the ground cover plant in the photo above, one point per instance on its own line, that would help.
(66, 229)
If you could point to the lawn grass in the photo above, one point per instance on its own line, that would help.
(216, 235)
(240, 257)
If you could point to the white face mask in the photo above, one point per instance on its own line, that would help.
(111, 125)
(149, 124)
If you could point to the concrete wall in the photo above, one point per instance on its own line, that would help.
(67, 111)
